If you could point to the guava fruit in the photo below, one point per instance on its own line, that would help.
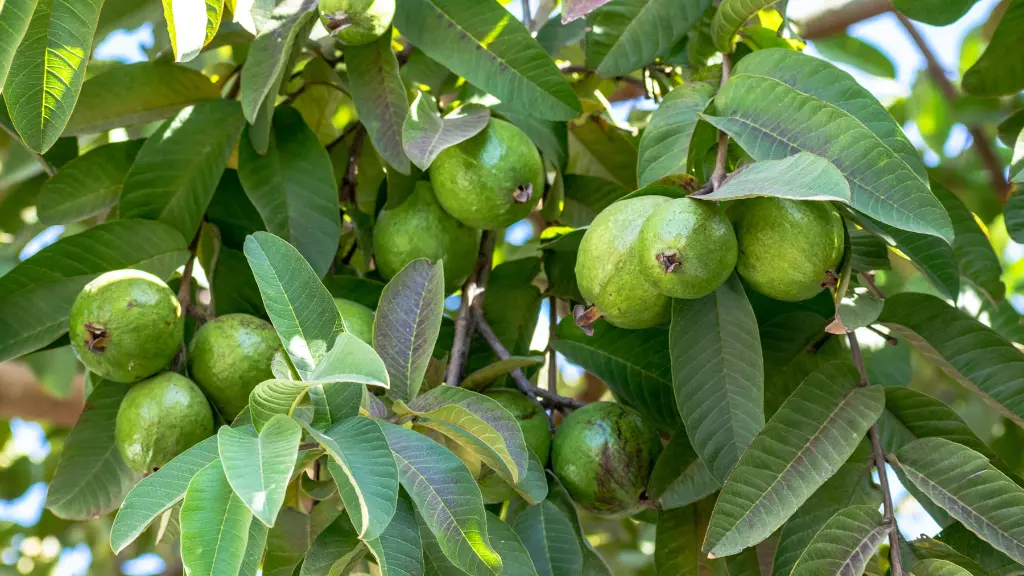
(536, 431)
(357, 22)
(158, 419)
(687, 248)
(788, 249)
(604, 454)
(229, 356)
(608, 271)
(126, 325)
(492, 180)
(358, 318)
(420, 228)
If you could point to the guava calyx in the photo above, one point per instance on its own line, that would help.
(336, 21)
(96, 337)
(669, 260)
(523, 193)
(585, 318)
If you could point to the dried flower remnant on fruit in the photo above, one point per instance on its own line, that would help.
(523, 193)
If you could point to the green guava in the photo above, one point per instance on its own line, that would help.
(357, 22)
(160, 418)
(608, 271)
(492, 180)
(420, 228)
(229, 356)
(126, 325)
(536, 431)
(358, 319)
(687, 248)
(604, 454)
(788, 249)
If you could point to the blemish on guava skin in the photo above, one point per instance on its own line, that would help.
(129, 305)
(96, 337)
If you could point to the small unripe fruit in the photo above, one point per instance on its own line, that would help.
(231, 355)
(358, 319)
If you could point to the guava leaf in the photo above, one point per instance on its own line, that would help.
(254, 546)
(270, 51)
(1000, 70)
(398, 550)
(603, 150)
(425, 133)
(259, 465)
(665, 144)
(48, 68)
(964, 348)
(214, 525)
(802, 176)
(15, 16)
(1013, 216)
(177, 170)
(137, 94)
(676, 542)
(479, 379)
(808, 439)
(91, 477)
(334, 550)
(550, 538)
(480, 41)
(934, 257)
(379, 96)
(967, 543)
(407, 323)
(287, 542)
(972, 248)
(680, 476)
(158, 492)
(585, 197)
(730, 17)
(845, 544)
(936, 567)
(292, 187)
(857, 53)
(36, 295)
(88, 184)
(191, 24)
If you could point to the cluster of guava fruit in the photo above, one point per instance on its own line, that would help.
(642, 251)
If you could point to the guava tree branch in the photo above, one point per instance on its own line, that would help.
(837, 21)
(552, 355)
(718, 176)
(23, 396)
(471, 292)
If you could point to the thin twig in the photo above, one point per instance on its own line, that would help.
(347, 190)
(718, 176)
(463, 321)
(878, 455)
(47, 167)
(868, 278)
(552, 355)
(185, 288)
(527, 15)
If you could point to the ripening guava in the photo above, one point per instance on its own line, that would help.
(420, 228)
(358, 319)
(608, 271)
(787, 248)
(357, 22)
(160, 418)
(126, 325)
(536, 431)
(604, 454)
(229, 356)
(492, 180)
(687, 248)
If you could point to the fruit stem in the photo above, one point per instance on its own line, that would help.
(584, 317)
(472, 296)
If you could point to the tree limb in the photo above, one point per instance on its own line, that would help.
(837, 21)
(23, 396)
(473, 287)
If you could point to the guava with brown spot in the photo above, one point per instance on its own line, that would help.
(126, 325)
(533, 421)
(358, 319)
(788, 249)
(687, 248)
(492, 180)
(231, 355)
(160, 418)
(608, 270)
(604, 454)
(357, 22)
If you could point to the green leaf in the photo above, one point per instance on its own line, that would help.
(857, 53)
(87, 185)
(214, 525)
(970, 489)
(593, 564)
(158, 492)
(407, 323)
(934, 12)
(665, 144)
(1013, 215)
(731, 16)
(189, 27)
(292, 187)
(334, 550)
(177, 170)
(932, 549)
(554, 35)
(254, 546)
(36, 295)
(858, 309)
(779, 102)
(137, 94)
(676, 544)
(933, 256)
(802, 176)
(259, 466)
(1000, 71)
(48, 69)
(479, 380)
(480, 41)
(964, 348)
(288, 541)
(15, 16)
(550, 137)
(680, 476)
(936, 567)
(629, 34)
(718, 374)
(967, 543)
(270, 52)
(516, 559)
(801, 447)
(351, 360)
(425, 134)
(603, 150)
(550, 538)
(398, 550)
(301, 309)
(631, 362)
(379, 96)
(446, 495)
(869, 252)
(91, 477)
(272, 397)
(845, 544)
(585, 197)
(972, 248)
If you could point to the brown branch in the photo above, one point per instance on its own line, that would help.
(527, 16)
(878, 455)
(889, 338)
(23, 396)
(463, 321)
(868, 278)
(47, 167)
(719, 175)
(837, 21)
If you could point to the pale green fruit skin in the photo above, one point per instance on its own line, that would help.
(698, 236)
(142, 320)
(536, 431)
(420, 228)
(475, 179)
(231, 355)
(787, 246)
(160, 418)
(604, 454)
(358, 319)
(608, 272)
(367, 19)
